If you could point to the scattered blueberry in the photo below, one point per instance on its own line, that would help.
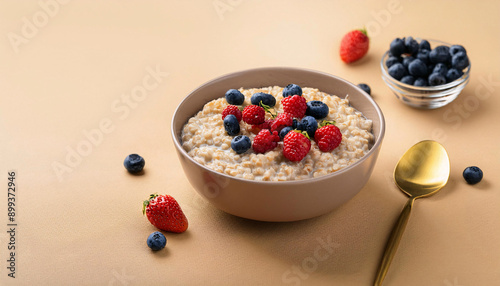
(473, 175)
(420, 82)
(418, 68)
(295, 123)
(309, 124)
(240, 144)
(453, 74)
(436, 79)
(366, 88)
(156, 241)
(408, 79)
(265, 98)
(440, 54)
(460, 61)
(411, 45)
(391, 61)
(440, 68)
(317, 109)
(231, 125)
(235, 97)
(397, 71)
(134, 163)
(292, 89)
(423, 55)
(424, 45)
(457, 48)
(397, 47)
(285, 131)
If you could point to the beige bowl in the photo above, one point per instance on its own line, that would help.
(278, 201)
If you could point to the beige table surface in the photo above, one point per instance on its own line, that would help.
(67, 70)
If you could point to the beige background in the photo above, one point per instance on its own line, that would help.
(67, 68)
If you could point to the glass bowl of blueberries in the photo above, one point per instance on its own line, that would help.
(423, 73)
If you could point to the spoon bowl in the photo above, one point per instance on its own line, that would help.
(422, 171)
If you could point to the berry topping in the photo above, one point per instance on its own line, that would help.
(317, 109)
(281, 121)
(232, 109)
(235, 97)
(164, 212)
(240, 144)
(366, 88)
(285, 131)
(292, 89)
(328, 137)
(231, 125)
(265, 141)
(254, 114)
(134, 163)
(308, 124)
(264, 98)
(295, 105)
(296, 146)
(156, 241)
(473, 175)
(354, 46)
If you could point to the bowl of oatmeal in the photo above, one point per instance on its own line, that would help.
(268, 186)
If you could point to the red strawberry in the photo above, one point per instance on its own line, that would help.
(281, 121)
(328, 137)
(254, 114)
(296, 146)
(354, 45)
(232, 109)
(164, 212)
(295, 105)
(265, 141)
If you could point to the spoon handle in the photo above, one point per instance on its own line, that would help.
(393, 242)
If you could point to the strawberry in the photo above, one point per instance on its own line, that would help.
(296, 146)
(354, 45)
(265, 141)
(164, 212)
(281, 121)
(232, 109)
(254, 114)
(328, 137)
(295, 105)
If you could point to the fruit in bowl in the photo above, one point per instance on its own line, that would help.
(279, 200)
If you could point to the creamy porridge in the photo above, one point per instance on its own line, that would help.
(206, 141)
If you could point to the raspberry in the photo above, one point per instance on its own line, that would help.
(254, 114)
(328, 137)
(281, 121)
(255, 129)
(265, 141)
(232, 109)
(295, 105)
(296, 146)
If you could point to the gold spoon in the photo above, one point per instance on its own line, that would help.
(422, 171)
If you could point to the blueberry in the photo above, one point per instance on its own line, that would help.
(436, 79)
(423, 55)
(440, 54)
(456, 49)
(266, 99)
(231, 125)
(397, 47)
(460, 61)
(420, 82)
(235, 97)
(391, 61)
(134, 163)
(156, 241)
(441, 69)
(453, 74)
(295, 123)
(240, 144)
(317, 109)
(411, 45)
(308, 124)
(285, 131)
(292, 89)
(408, 79)
(366, 88)
(473, 175)
(418, 68)
(424, 45)
(397, 71)
(407, 61)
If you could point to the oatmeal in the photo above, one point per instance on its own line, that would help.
(206, 141)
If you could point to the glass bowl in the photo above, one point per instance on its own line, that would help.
(427, 97)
